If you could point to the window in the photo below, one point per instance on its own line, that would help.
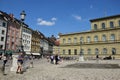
(81, 40)
(75, 40)
(69, 52)
(104, 38)
(2, 38)
(4, 24)
(119, 23)
(3, 32)
(113, 51)
(88, 39)
(75, 51)
(96, 51)
(112, 37)
(1, 46)
(69, 40)
(103, 25)
(89, 51)
(82, 52)
(96, 38)
(111, 24)
(64, 41)
(104, 51)
(12, 46)
(95, 26)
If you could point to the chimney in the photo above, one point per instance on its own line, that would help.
(11, 15)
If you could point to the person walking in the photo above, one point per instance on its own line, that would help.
(97, 58)
(52, 58)
(20, 62)
(56, 59)
(31, 60)
(4, 57)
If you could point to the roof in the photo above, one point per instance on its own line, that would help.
(74, 33)
(107, 17)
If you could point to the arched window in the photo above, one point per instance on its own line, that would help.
(81, 39)
(75, 40)
(113, 51)
(104, 51)
(69, 40)
(63, 51)
(111, 24)
(104, 38)
(96, 38)
(96, 51)
(119, 23)
(64, 41)
(95, 26)
(82, 52)
(112, 37)
(89, 51)
(88, 39)
(103, 25)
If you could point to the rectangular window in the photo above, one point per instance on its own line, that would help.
(3, 32)
(69, 52)
(75, 52)
(1, 46)
(4, 24)
(12, 46)
(2, 38)
(119, 23)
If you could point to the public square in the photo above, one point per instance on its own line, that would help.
(67, 70)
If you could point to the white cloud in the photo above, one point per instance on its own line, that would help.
(42, 22)
(77, 17)
(54, 19)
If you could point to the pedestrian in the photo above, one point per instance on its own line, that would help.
(31, 60)
(97, 58)
(47, 58)
(56, 59)
(52, 58)
(4, 57)
(20, 62)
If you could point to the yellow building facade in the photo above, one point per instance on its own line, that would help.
(103, 39)
(35, 44)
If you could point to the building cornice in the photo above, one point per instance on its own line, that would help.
(91, 31)
(103, 18)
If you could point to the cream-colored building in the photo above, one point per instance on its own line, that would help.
(103, 39)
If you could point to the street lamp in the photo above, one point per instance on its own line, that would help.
(22, 16)
(81, 58)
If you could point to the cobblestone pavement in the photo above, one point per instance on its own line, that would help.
(43, 70)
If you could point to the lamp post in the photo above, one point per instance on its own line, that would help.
(22, 17)
(81, 58)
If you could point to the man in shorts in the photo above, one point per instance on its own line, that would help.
(20, 62)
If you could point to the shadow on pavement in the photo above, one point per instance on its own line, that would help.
(93, 66)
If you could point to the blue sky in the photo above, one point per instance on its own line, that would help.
(60, 16)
